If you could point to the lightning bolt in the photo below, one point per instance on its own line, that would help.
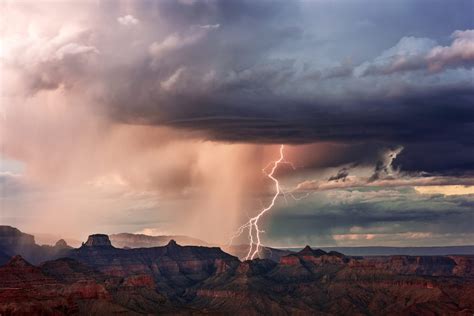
(252, 224)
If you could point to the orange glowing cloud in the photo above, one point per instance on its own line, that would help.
(446, 189)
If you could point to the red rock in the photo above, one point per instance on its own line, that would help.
(140, 281)
(290, 260)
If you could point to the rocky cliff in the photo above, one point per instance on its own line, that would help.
(64, 287)
(241, 251)
(321, 283)
(11, 237)
(126, 240)
(14, 242)
(98, 240)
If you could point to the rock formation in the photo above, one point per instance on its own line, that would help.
(98, 240)
(61, 243)
(175, 279)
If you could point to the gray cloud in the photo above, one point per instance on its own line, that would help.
(340, 176)
(381, 174)
(411, 54)
(390, 216)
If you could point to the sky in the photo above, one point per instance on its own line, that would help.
(158, 117)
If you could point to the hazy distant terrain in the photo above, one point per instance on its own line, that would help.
(409, 251)
(128, 240)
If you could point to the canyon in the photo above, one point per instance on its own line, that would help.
(98, 278)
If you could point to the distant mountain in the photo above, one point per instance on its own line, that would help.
(127, 240)
(264, 252)
(14, 242)
(173, 267)
(51, 239)
(392, 251)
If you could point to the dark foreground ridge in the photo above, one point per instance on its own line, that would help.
(100, 279)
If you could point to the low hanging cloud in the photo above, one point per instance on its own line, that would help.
(358, 182)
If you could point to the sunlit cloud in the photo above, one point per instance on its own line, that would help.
(445, 189)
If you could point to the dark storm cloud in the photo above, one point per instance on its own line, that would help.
(279, 71)
(445, 115)
(340, 176)
(261, 89)
(444, 156)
